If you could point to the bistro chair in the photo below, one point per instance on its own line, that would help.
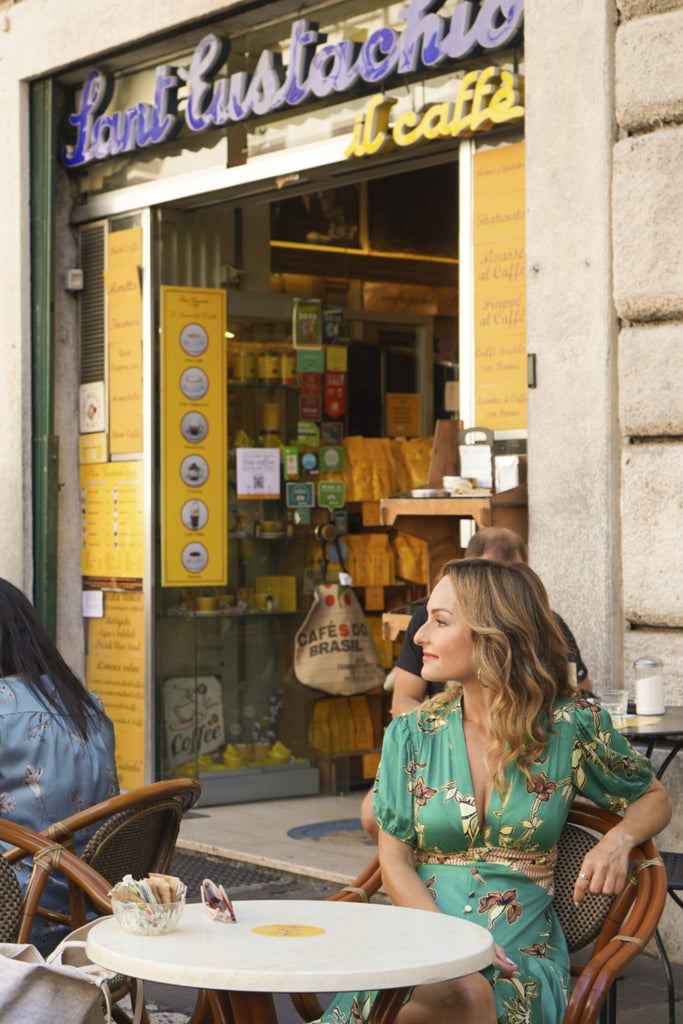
(615, 928)
(133, 833)
(17, 912)
(11, 900)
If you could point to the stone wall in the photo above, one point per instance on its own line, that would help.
(604, 139)
(648, 297)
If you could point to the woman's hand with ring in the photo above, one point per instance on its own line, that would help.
(604, 868)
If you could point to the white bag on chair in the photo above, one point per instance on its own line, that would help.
(33, 991)
(66, 986)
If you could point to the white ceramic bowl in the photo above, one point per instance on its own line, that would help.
(148, 918)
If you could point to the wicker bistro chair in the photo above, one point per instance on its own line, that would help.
(135, 833)
(11, 900)
(17, 912)
(47, 857)
(618, 927)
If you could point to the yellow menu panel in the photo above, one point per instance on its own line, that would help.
(500, 289)
(194, 520)
(115, 672)
(124, 322)
(112, 519)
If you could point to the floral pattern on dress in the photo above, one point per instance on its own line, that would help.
(485, 871)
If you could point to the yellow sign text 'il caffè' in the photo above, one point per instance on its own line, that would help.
(483, 99)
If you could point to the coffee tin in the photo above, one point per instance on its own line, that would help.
(243, 366)
(287, 368)
(269, 367)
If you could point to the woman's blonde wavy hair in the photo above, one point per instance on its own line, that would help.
(519, 654)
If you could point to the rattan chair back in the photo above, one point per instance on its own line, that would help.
(581, 925)
(135, 841)
(627, 926)
(10, 902)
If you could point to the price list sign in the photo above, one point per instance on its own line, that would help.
(500, 370)
(112, 521)
(193, 437)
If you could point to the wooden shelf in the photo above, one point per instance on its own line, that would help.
(435, 520)
(394, 623)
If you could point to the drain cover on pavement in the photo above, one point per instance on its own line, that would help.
(330, 829)
(193, 868)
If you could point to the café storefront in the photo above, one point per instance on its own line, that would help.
(291, 236)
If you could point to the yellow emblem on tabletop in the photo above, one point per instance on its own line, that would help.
(288, 931)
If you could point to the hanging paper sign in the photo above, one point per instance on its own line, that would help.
(335, 395)
(310, 407)
(258, 473)
(402, 415)
(336, 358)
(311, 384)
(307, 323)
(332, 321)
(300, 495)
(331, 494)
(310, 360)
(331, 460)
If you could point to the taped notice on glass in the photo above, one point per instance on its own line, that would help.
(258, 472)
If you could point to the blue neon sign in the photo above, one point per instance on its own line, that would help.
(316, 70)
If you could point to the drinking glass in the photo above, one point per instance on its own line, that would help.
(615, 701)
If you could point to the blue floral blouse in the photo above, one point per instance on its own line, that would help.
(48, 772)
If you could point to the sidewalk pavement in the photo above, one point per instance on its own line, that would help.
(304, 848)
(316, 836)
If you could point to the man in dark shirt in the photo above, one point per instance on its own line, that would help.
(410, 689)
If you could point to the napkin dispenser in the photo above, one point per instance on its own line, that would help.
(475, 445)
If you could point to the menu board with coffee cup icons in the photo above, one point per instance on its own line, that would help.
(193, 437)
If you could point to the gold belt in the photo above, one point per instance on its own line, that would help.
(538, 866)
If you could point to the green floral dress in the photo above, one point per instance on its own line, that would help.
(500, 875)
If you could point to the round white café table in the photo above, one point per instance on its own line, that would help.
(297, 946)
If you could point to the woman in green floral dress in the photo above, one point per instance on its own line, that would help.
(475, 786)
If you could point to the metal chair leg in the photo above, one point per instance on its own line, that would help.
(671, 993)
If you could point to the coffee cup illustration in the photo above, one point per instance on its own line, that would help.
(194, 470)
(194, 426)
(195, 557)
(194, 514)
(194, 382)
(194, 339)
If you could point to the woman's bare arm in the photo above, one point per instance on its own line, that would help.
(605, 867)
